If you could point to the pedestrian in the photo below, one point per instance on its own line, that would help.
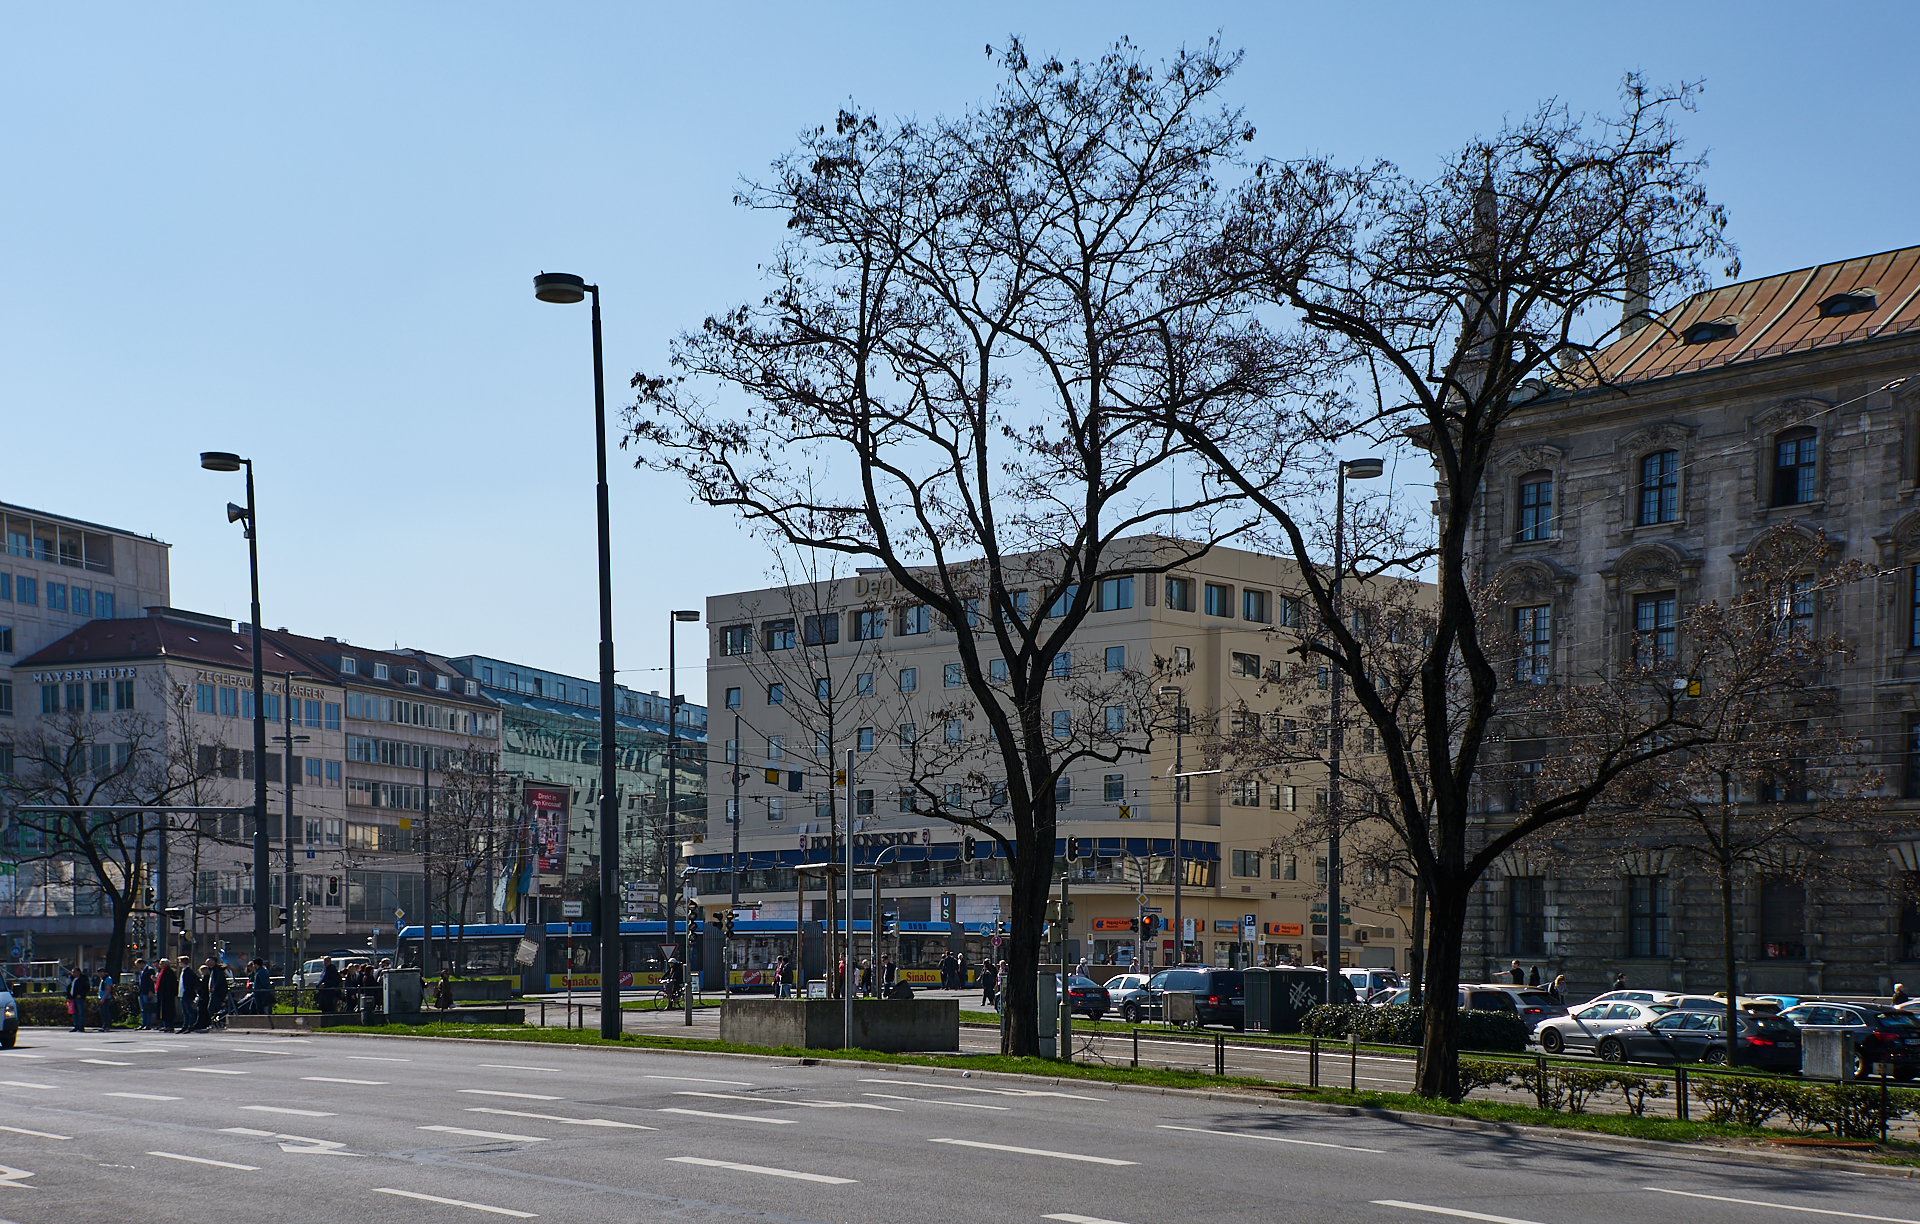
(106, 1000)
(780, 977)
(1619, 981)
(443, 993)
(262, 987)
(166, 990)
(143, 989)
(1533, 975)
(328, 996)
(1559, 989)
(189, 997)
(203, 996)
(1518, 974)
(78, 988)
(989, 985)
(1900, 998)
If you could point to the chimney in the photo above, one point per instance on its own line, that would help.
(1633, 311)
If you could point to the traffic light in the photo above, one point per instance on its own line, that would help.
(968, 848)
(1000, 926)
(889, 925)
(1149, 923)
(149, 896)
(693, 915)
(1073, 849)
(284, 915)
(727, 917)
(333, 887)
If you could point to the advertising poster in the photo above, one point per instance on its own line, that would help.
(547, 813)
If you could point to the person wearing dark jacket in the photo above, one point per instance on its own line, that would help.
(219, 986)
(203, 1000)
(149, 1005)
(262, 983)
(328, 996)
(167, 990)
(78, 987)
(189, 996)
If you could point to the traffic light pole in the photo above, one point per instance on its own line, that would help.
(687, 967)
(846, 985)
(1066, 974)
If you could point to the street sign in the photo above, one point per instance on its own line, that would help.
(570, 909)
(1126, 811)
(1186, 929)
(398, 913)
(1249, 929)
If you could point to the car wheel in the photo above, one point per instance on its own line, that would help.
(1550, 1041)
(1715, 1055)
(1612, 1051)
(1130, 1013)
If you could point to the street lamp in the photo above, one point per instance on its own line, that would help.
(673, 760)
(1350, 469)
(226, 461)
(1179, 781)
(564, 288)
(288, 740)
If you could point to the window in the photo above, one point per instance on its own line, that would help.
(822, 630)
(82, 602)
(972, 607)
(333, 774)
(1116, 720)
(909, 679)
(997, 670)
(1113, 788)
(1536, 507)
(229, 701)
(914, 618)
(953, 730)
(776, 694)
(25, 589)
(1245, 665)
(1063, 791)
(1246, 863)
(1064, 599)
(380, 672)
(1660, 488)
(822, 746)
(733, 811)
(56, 597)
(6, 709)
(1063, 724)
(1793, 459)
(1534, 627)
(863, 684)
(906, 799)
(1647, 916)
(1063, 665)
(776, 808)
(351, 667)
(1320, 871)
(907, 735)
(778, 634)
(1115, 594)
(315, 771)
(863, 803)
(1219, 600)
(1526, 916)
(1912, 789)
(1653, 627)
(1183, 659)
(1795, 609)
(1783, 919)
(864, 739)
(950, 676)
(1286, 799)
(823, 689)
(1179, 594)
(733, 698)
(99, 695)
(1246, 793)
(736, 639)
(1907, 949)
(1256, 606)
(776, 747)
(1285, 867)
(869, 626)
(1116, 658)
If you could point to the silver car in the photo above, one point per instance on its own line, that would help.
(1124, 986)
(1583, 1029)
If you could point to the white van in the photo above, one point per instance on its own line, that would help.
(1369, 983)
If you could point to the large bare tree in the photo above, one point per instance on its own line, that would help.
(965, 370)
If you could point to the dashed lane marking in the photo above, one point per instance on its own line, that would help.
(1201, 1130)
(374, 1058)
(1455, 1212)
(518, 1067)
(25, 1084)
(213, 1070)
(751, 1168)
(106, 1062)
(480, 1134)
(930, 1101)
(447, 1202)
(1027, 1151)
(522, 1096)
(515, 1113)
(702, 1113)
(20, 1130)
(687, 1079)
(202, 1160)
(281, 1109)
(1067, 1217)
(141, 1096)
(328, 1079)
(734, 1096)
(1717, 1198)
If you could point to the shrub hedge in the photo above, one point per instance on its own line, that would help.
(1400, 1025)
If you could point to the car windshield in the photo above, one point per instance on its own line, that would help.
(1534, 998)
(1228, 982)
(1899, 1020)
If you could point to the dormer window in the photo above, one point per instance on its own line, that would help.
(349, 667)
(1709, 331)
(379, 671)
(413, 677)
(473, 688)
(442, 683)
(1856, 301)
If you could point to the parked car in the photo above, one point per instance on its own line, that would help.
(1471, 998)
(310, 971)
(1088, 997)
(1125, 986)
(1218, 995)
(1631, 996)
(1586, 1025)
(9, 1019)
(1880, 1034)
(1766, 1042)
(1370, 982)
(1533, 1003)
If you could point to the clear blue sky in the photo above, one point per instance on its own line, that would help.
(306, 233)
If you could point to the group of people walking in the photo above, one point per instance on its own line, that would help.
(172, 997)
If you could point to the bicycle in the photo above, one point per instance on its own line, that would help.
(669, 996)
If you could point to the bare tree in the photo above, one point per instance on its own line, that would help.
(464, 837)
(965, 371)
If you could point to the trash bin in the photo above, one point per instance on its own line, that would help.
(1178, 1005)
(1258, 997)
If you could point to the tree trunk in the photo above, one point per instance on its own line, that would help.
(1032, 881)
(1417, 948)
(117, 942)
(1732, 965)
(1438, 1074)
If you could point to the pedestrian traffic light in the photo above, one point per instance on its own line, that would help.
(333, 886)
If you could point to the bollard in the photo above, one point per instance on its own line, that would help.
(1540, 1081)
(1353, 1062)
(1220, 1055)
(543, 1013)
(1136, 1045)
(1681, 1112)
(1884, 1069)
(1313, 1063)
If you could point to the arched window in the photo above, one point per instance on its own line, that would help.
(1660, 488)
(1536, 507)
(1793, 458)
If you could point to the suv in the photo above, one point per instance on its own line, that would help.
(1880, 1034)
(1471, 998)
(1218, 995)
(1367, 983)
(1533, 1003)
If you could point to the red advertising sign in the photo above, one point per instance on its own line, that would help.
(1283, 928)
(1114, 924)
(547, 808)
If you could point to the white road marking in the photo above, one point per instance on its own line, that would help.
(701, 1113)
(304, 1113)
(930, 1101)
(36, 1134)
(106, 1062)
(213, 1070)
(479, 1134)
(1014, 1092)
(1201, 1130)
(10, 1176)
(686, 1079)
(18, 1054)
(518, 1067)
(220, 1164)
(252, 1050)
(447, 1202)
(1452, 1211)
(328, 1079)
(515, 1113)
(142, 1096)
(734, 1096)
(242, 1130)
(25, 1084)
(1850, 1215)
(373, 1058)
(749, 1168)
(523, 1096)
(1068, 1217)
(1027, 1151)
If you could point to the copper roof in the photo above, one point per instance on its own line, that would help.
(1772, 316)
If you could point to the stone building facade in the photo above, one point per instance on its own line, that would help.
(1623, 500)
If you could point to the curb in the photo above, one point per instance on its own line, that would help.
(1700, 1152)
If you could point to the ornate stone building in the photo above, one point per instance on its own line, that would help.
(1782, 400)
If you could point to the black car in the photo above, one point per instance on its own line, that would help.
(1088, 997)
(1218, 995)
(1765, 1042)
(1880, 1034)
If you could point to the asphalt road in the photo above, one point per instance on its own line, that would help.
(259, 1127)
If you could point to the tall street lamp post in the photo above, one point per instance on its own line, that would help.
(1179, 783)
(1350, 469)
(226, 461)
(286, 741)
(673, 770)
(565, 289)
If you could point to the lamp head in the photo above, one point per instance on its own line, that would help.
(235, 513)
(1361, 469)
(221, 461)
(686, 616)
(1170, 690)
(562, 287)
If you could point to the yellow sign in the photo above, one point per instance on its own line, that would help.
(1126, 811)
(773, 776)
(405, 823)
